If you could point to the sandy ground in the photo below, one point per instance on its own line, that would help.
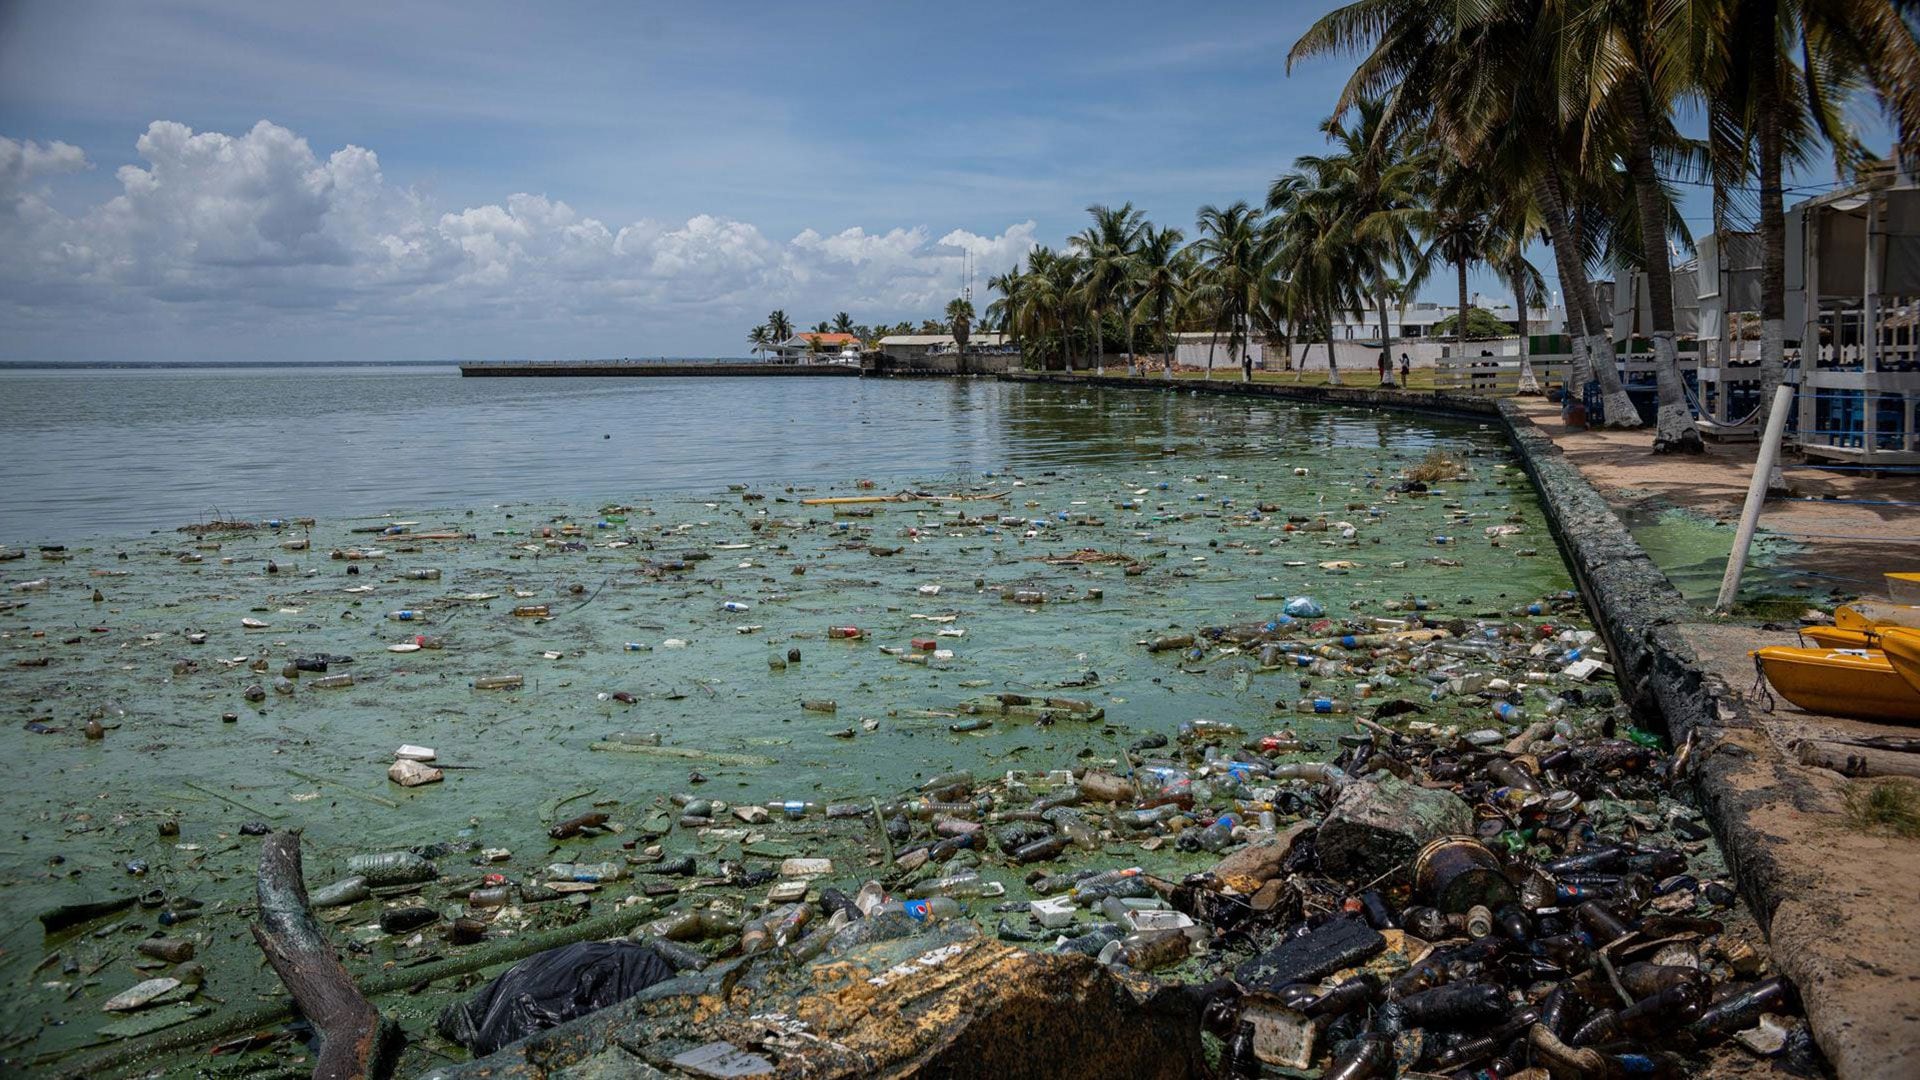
(1856, 541)
(1846, 928)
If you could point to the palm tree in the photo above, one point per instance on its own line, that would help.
(1052, 291)
(1316, 276)
(1456, 224)
(1476, 77)
(779, 327)
(1514, 224)
(1004, 312)
(1106, 249)
(757, 338)
(1627, 65)
(1157, 283)
(1369, 189)
(960, 318)
(1236, 251)
(1788, 69)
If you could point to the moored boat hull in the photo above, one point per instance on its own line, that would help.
(1857, 684)
(1902, 649)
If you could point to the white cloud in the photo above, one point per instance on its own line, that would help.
(255, 230)
(23, 162)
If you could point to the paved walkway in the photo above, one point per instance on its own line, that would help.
(1848, 544)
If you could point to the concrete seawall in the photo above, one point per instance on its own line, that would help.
(1841, 935)
(566, 368)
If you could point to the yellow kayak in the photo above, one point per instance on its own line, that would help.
(1902, 649)
(1867, 614)
(1834, 637)
(1836, 682)
(1904, 588)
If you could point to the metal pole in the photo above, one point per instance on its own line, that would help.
(1756, 495)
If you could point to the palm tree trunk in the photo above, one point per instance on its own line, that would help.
(1528, 384)
(1133, 368)
(1211, 342)
(1333, 364)
(1166, 340)
(1099, 342)
(1243, 336)
(1673, 430)
(1593, 346)
(1460, 329)
(1773, 232)
(1580, 362)
(1386, 351)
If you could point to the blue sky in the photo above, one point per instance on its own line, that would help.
(262, 181)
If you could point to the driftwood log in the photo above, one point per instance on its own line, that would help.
(1849, 760)
(355, 1043)
(135, 1053)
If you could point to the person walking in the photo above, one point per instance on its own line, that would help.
(1406, 368)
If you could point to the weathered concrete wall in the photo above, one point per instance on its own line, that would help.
(941, 364)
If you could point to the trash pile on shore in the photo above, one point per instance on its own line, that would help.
(1399, 816)
(1424, 899)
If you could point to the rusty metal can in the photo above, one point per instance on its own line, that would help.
(1455, 873)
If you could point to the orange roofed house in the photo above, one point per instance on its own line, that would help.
(812, 348)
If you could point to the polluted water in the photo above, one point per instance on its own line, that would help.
(1312, 719)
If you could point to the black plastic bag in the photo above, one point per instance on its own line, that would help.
(549, 989)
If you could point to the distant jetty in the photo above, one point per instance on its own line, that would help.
(647, 368)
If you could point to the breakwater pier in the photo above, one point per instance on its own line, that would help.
(648, 368)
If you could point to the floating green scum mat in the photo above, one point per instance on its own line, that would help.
(562, 704)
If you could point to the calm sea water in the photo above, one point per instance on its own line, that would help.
(1171, 483)
(116, 453)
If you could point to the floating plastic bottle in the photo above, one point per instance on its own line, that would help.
(932, 909)
(602, 871)
(1218, 835)
(392, 868)
(341, 893)
(1323, 706)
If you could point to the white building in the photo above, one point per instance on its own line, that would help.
(1415, 321)
(800, 349)
(916, 346)
(1190, 349)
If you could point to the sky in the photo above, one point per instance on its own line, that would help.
(238, 181)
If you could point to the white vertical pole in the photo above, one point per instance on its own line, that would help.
(1756, 495)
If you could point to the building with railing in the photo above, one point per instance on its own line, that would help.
(1853, 256)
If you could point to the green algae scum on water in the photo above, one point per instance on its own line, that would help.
(707, 674)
